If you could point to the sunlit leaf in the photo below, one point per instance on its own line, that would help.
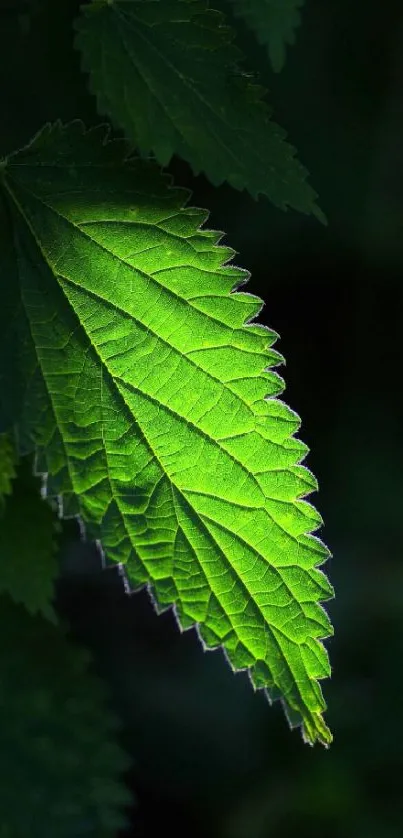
(154, 408)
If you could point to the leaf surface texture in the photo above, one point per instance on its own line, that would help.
(167, 72)
(147, 405)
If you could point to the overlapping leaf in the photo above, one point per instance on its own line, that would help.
(28, 527)
(273, 22)
(147, 405)
(7, 466)
(28, 562)
(60, 762)
(167, 73)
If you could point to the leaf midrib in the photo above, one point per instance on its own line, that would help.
(126, 315)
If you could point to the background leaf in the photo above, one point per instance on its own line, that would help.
(58, 750)
(156, 417)
(168, 74)
(7, 465)
(273, 23)
(28, 528)
(17, 354)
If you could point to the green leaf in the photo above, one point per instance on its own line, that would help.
(17, 356)
(167, 73)
(28, 528)
(273, 22)
(7, 466)
(60, 762)
(154, 406)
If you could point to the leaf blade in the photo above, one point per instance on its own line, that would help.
(273, 22)
(189, 477)
(168, 74)
(28, 530)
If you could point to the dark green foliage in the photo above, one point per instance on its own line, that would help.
(273, 22)
(60, 765)
(28, 529)
(75, 376)
(167, 72)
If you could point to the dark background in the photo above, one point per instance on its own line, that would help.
(212, 759)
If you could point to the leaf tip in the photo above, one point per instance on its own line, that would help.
(315, 730)
(319, 215)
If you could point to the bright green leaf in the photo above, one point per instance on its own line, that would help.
(273, 22)
(148, 408)
(167, 73)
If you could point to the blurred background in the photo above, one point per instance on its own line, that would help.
(211, 758)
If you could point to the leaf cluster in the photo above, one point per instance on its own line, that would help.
(131, 365)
